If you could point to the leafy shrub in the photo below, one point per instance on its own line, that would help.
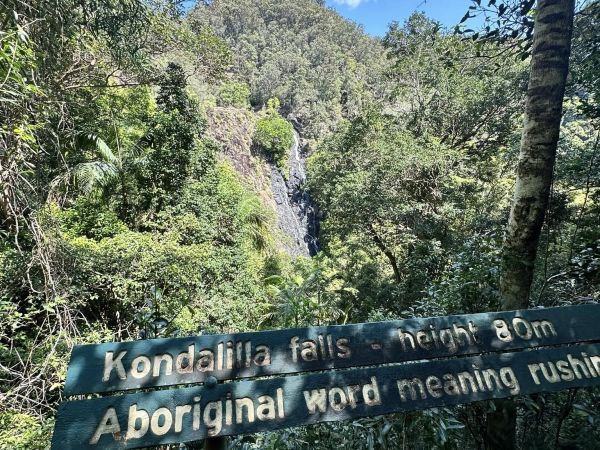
(190, 252)
(432, 429)
(203, 158)
(20, 431)
(112, 279)
(274, 135)
(235, 94)
(468, 285)
(91, 218)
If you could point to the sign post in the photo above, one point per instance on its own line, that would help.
(215, 443)
(209, 391)
(219, 443)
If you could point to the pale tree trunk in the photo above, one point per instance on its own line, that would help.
(7, 197)
(548, 74)
(549, 65)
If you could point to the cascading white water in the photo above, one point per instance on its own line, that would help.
(295, 213)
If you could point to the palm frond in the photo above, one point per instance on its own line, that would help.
(92, 174)
(257, 224)
(104, 151)
(95, 143)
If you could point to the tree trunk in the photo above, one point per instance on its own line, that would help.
(7, 197)
(549, 65)
(548, 74)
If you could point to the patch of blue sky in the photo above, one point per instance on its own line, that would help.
(376, 15)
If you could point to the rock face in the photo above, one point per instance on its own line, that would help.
(296, 216)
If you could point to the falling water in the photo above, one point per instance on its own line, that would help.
(296, 214)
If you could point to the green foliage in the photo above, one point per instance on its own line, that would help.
(106, 189)
(256, 221)
(235, 94)
(586, 59)
(312, 293)
(470, 284)
(215, 228)
(170, 142)
(117, 209)
(195, 281)
(171, 95)
(435, 429)
(321, 66)
(91, 218)
(274, 135)
(18, 143)
(383, 188)
(16, 59)
(569, 244)
(203, 158)
(449, 87)
(197, 48)
(273, 105)
(20, 431)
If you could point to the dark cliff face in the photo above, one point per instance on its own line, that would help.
(296, 217)
(286, 195)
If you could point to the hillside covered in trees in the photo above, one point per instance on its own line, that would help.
(181, 168)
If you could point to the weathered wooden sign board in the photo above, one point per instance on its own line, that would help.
(414, 364)
(166, 362)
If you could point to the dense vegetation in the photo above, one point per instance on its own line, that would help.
(321, 67)
(134, 139)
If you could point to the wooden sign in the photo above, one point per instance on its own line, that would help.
(413, 364)
(166, 362)
(193, 413)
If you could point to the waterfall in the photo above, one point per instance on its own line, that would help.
(296, 215)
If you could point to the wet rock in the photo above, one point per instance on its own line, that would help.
(296, 214)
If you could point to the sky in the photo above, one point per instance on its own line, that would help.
(375, 15)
